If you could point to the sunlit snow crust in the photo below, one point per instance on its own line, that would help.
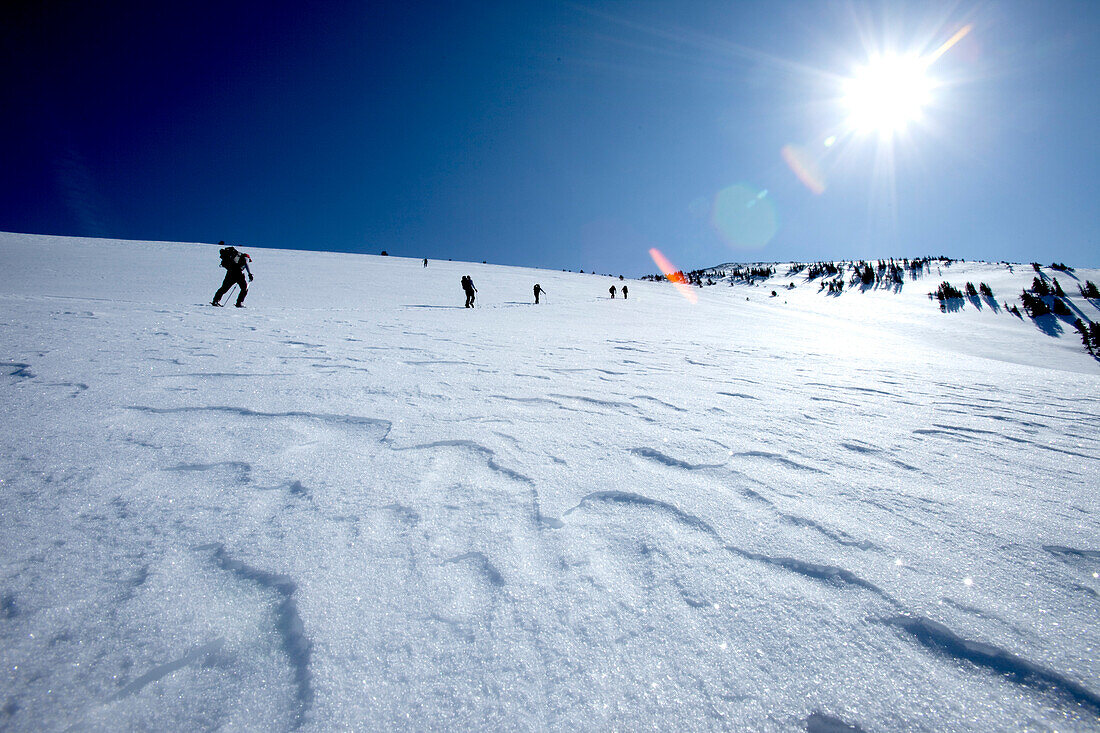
(356, 504)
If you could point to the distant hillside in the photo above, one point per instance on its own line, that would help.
(1056, 307)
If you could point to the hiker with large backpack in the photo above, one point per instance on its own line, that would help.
(236, 265)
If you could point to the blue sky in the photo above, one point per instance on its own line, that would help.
(559, 135)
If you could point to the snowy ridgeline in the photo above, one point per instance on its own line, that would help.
(356, 504)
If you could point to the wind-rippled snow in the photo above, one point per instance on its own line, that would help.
(356, 504)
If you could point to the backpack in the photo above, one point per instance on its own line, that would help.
(230, 257)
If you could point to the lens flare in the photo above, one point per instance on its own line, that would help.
(803, 164)
(676, 277)
(744, 217)
(959, 35)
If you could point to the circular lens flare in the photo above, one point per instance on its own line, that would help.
(887, 94)
(744, 217)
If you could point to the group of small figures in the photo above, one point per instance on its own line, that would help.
(470, 290)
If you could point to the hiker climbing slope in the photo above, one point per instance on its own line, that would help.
(468, 286)
(236, 265)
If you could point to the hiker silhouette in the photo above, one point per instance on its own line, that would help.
(236, 265)
(538, 290)
(468, 286)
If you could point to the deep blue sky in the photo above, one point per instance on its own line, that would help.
(549, 134)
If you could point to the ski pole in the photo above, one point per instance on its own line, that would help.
(229, 294)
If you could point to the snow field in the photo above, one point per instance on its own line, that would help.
(357, 504)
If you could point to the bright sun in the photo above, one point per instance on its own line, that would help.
(887, 94)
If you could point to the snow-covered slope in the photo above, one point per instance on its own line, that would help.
(976, 325)
(356, 504)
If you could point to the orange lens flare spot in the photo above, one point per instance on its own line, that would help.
(676, 277)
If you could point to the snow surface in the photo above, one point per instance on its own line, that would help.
(357, 505)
